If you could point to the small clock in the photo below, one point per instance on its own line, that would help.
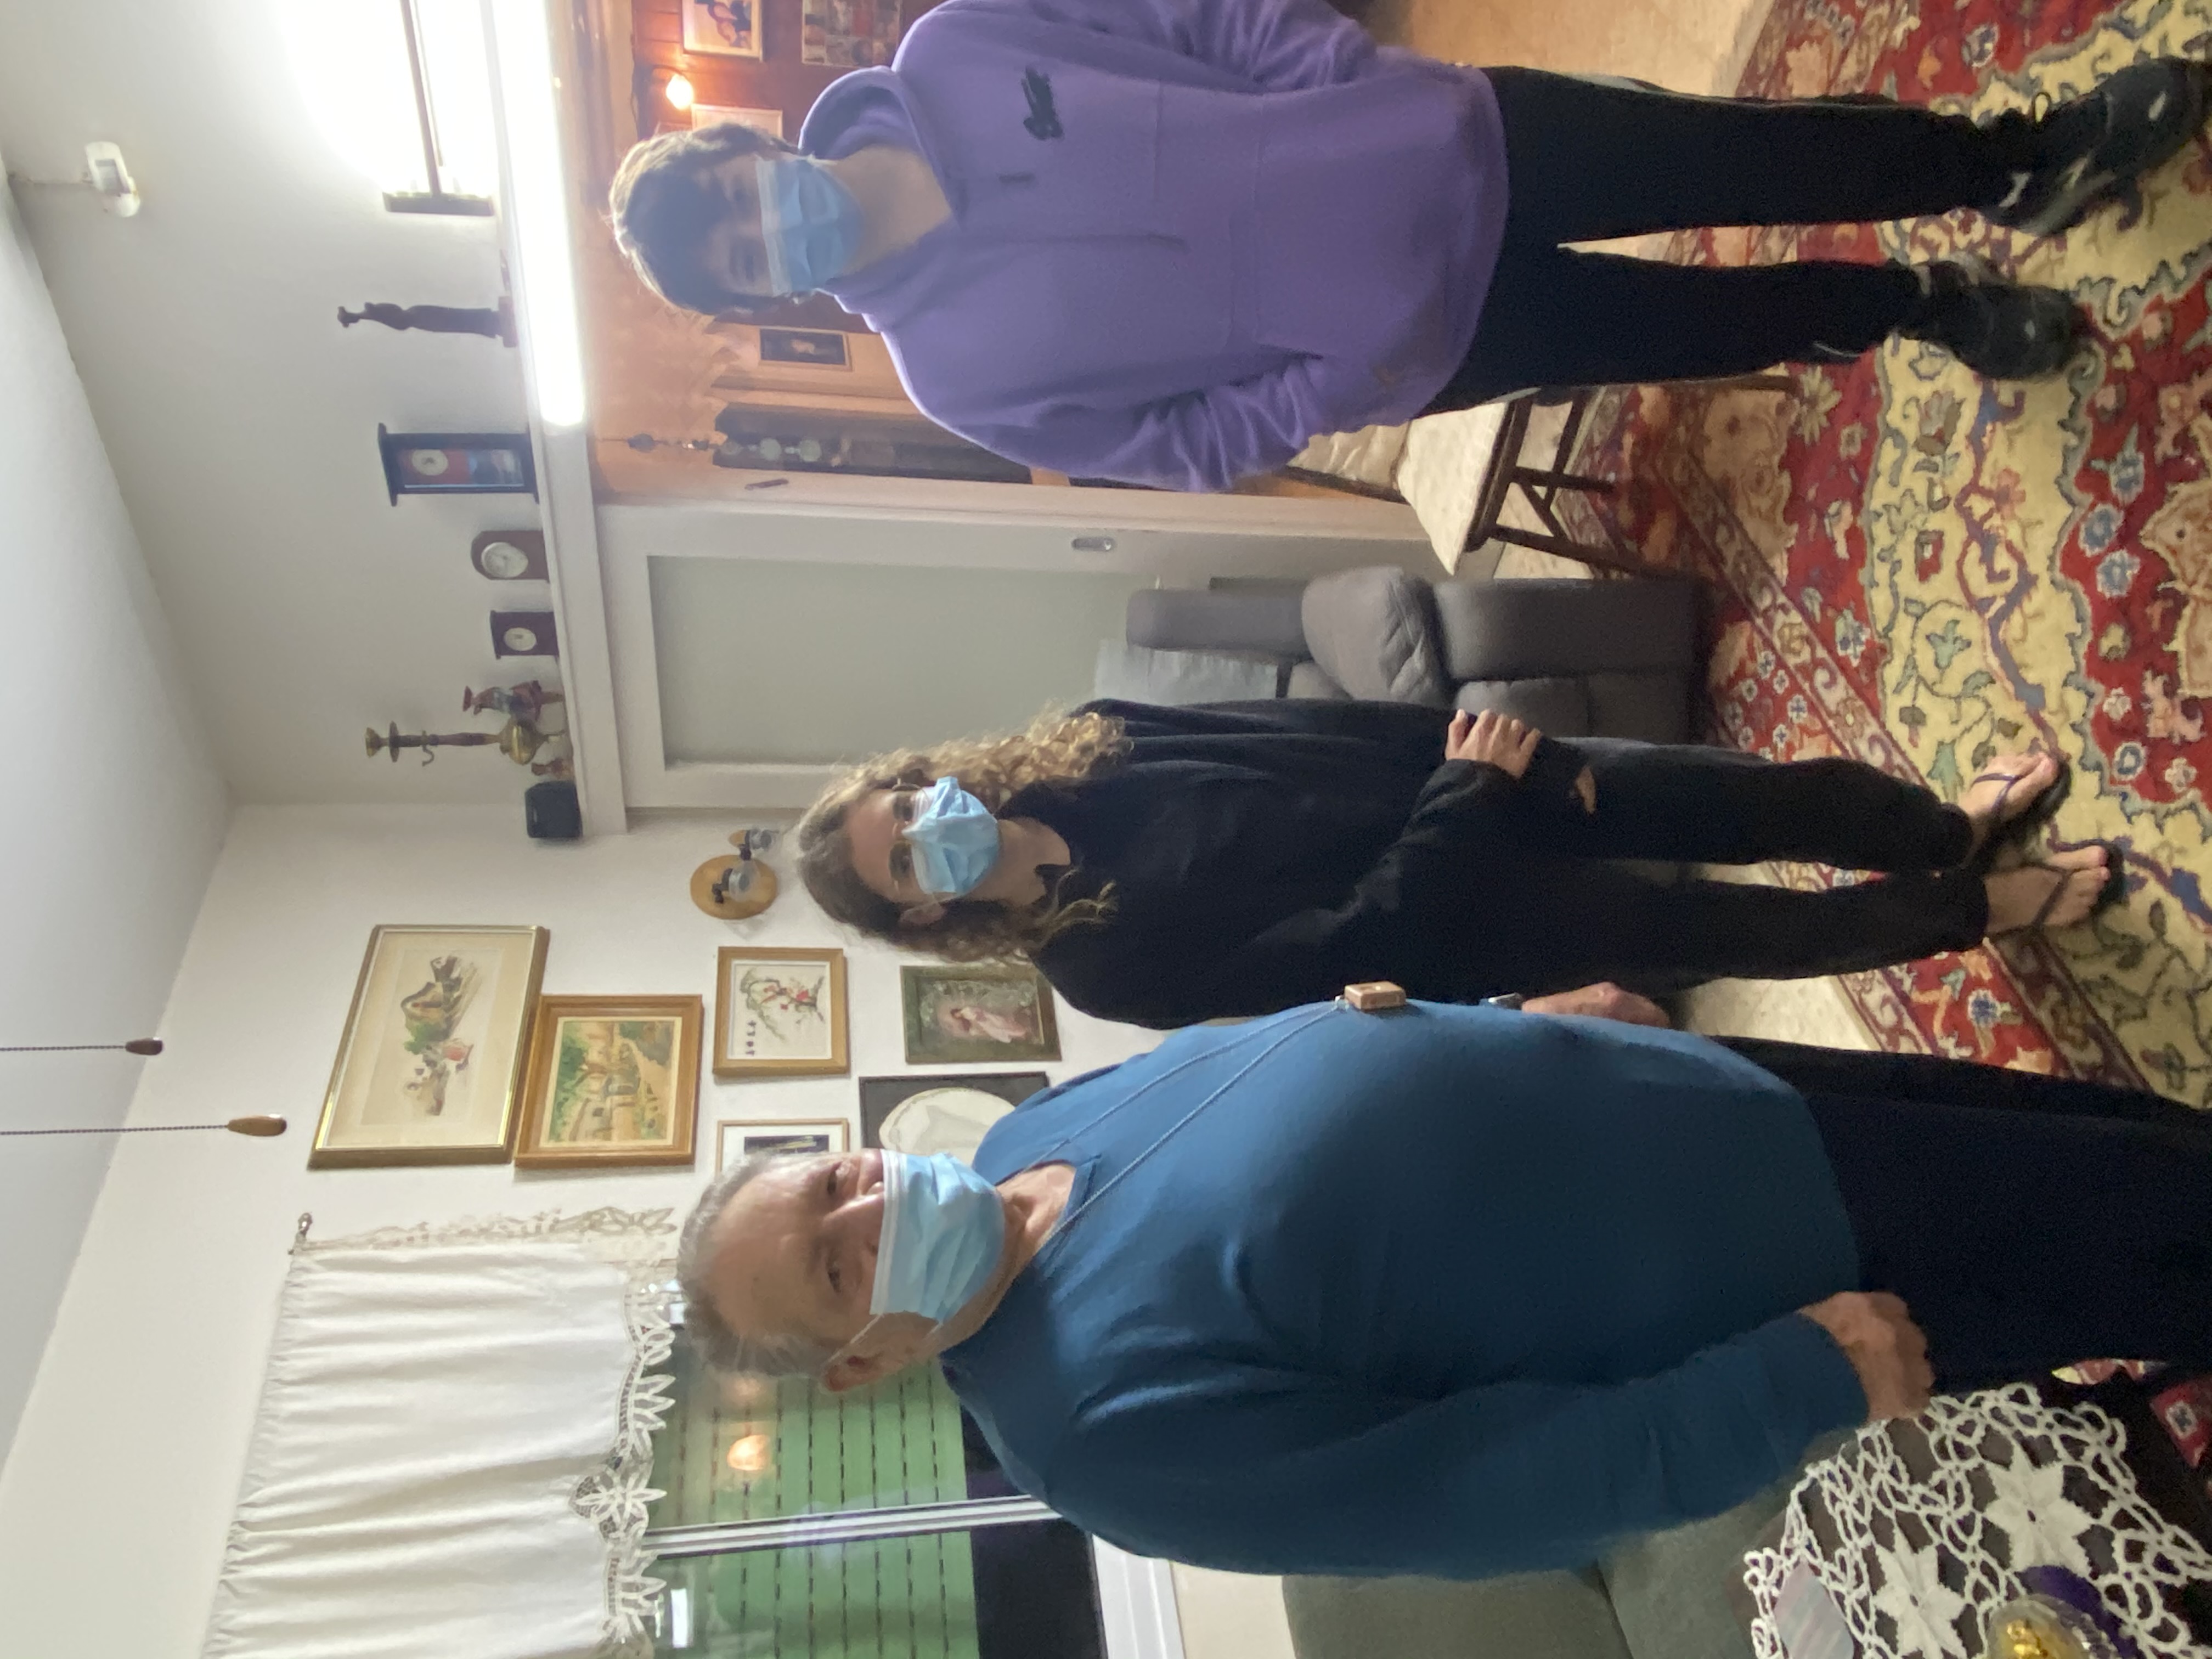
(509, 556)
(523, 633)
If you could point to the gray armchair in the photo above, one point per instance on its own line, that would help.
(1575, 659)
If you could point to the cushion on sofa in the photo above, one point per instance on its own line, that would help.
(1536, 1615)
(1136, 674)
(1508, 630)
(1374, 632)
(1259, 617)
(1307, 680)
(1653, 706)
(1557, 707)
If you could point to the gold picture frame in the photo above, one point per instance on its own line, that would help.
(429, 1065)
(780, 1011)
(613, 1083)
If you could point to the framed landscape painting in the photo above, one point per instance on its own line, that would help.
(736, 1138)
(429, 1065)
(961, 1015)
(780, 1011)
(613, 1082)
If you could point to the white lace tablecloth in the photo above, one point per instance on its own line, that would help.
(1917, 1528)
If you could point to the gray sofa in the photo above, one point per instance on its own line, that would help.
(1575, 659)
(1674, 1595)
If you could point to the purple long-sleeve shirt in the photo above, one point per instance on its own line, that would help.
(1187, 236)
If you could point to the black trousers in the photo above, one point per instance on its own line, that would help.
(2027, 1222)
(1560, 911)
(1588, 159)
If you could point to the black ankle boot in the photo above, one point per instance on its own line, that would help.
(2001, 329)
(2091, 150)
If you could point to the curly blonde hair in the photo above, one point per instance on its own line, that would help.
(1055, 748)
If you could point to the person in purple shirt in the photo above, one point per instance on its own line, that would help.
(1171, 241)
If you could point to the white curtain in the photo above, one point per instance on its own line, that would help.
(452, 1445)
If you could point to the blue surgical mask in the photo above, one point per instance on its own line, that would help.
(945, 1229)
(954, 839)
(810, 223)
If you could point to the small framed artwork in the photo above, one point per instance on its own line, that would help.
(941, 1114)
(524, 634)
(959, 1016)
(769, 121)
(729, 28)
(736, 1138)
(613, 1082)
(429, 1065)
(509, 556)
(848, 33)
(816, 348)
(779, 1012)
(456, 463)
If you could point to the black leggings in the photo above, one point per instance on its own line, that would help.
(1570, 915)
(1587, 160)
(2027, 1222)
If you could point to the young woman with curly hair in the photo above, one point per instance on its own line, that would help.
(1169, 866)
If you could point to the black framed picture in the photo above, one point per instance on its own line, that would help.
(817, 348)
(944, 1113)
(456, 463)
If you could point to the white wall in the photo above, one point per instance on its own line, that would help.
(109, 817)
(137, 1425)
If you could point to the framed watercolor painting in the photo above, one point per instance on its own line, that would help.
(429, 1065)
(940, 1113)
(729, 28)
(735, 1138)
(779, 1012)
(961, 1015)
(613, 1081)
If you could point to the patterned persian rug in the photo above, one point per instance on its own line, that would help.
(1921, 569)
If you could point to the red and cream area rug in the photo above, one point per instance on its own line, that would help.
(1921, 569)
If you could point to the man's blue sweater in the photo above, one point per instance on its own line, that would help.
(1453, 1291)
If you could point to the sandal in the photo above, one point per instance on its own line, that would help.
(2003, 833)
(2114, 890)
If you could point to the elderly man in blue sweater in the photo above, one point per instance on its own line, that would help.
(1461, 1290)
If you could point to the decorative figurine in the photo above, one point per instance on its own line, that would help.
(493, 322)
(526, 702)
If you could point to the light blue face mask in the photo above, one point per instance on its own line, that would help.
(944, 1230)
(954, 839)
(810, 223)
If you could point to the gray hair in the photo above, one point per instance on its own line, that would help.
(745, 1353)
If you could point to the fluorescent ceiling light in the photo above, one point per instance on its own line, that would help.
(535, 204)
